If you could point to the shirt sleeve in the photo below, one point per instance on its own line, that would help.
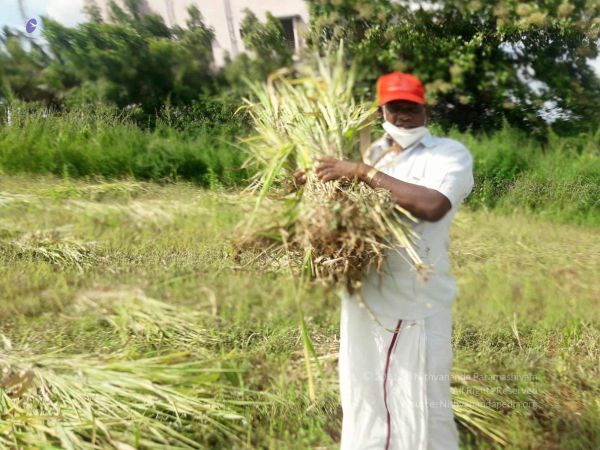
(450, 172)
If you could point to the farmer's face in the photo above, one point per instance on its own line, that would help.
(405, 114)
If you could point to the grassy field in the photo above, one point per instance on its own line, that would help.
(125, 323)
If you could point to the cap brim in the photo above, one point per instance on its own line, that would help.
(391, 96)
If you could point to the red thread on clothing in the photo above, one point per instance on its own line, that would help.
(385, 375)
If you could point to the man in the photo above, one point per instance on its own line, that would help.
(394, 371)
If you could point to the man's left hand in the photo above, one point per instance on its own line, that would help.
(330, 169)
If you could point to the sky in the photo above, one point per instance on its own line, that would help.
(70, 13)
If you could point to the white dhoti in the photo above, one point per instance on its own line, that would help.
(395, 387)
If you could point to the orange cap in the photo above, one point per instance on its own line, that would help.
(400, 86)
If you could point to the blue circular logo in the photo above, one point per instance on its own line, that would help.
(31, 25)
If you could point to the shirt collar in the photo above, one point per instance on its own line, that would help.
(427, 140)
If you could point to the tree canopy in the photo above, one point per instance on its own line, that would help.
(135, 59)
(483, 61)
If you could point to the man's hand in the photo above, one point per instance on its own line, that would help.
(331, 169)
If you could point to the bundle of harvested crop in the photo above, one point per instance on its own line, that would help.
(338, 229)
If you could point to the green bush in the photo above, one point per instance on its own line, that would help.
(83, 143)
(499, 159)
(563, 182)
(560, 180)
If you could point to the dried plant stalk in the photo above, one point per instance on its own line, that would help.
(335, 230)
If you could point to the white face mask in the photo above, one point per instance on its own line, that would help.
(404, 137)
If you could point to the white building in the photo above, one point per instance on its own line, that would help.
(225, 17)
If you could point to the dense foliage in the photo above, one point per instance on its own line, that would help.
(268, 51)
(101, 142)
(133, 60)
(483, 61)
(560, 180)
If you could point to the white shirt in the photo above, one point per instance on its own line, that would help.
(444, 165)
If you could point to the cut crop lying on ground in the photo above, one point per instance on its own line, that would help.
(165, 314)
(81, 402)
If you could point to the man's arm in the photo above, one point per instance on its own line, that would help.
(421, 202)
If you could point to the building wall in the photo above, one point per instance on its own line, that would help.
(215, 15)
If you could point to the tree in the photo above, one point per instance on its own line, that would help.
(22, 70)
(483, 61)
(134, 59)
(268, 50)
